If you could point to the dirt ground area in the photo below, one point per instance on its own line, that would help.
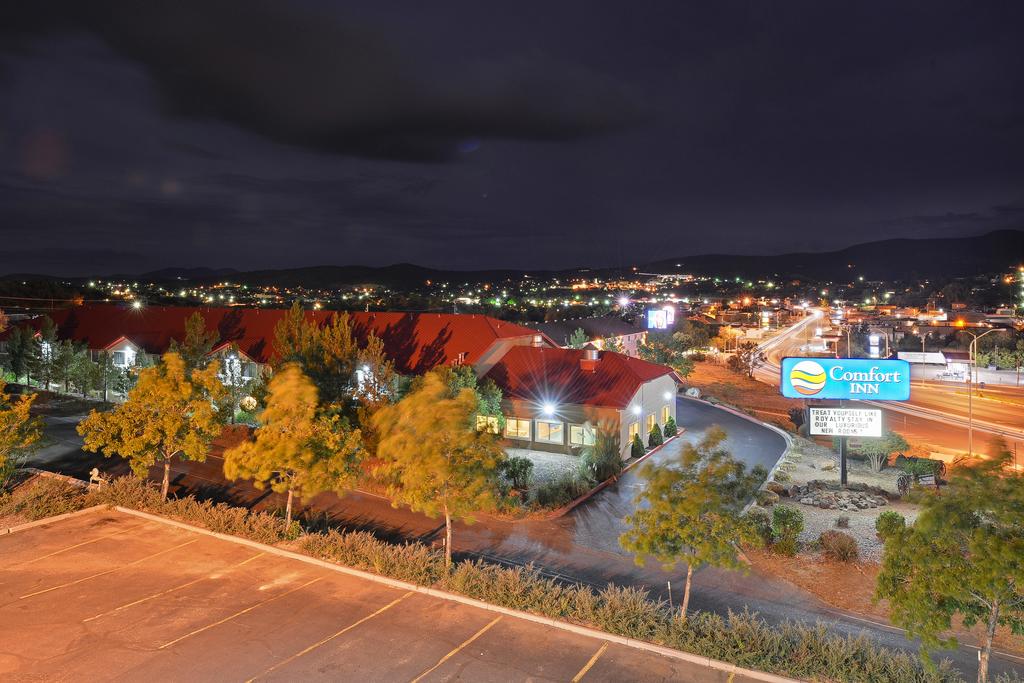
(106, 596)
(732, 388)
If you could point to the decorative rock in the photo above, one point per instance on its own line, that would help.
(825, 465)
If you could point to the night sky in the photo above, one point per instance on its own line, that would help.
(256, 134)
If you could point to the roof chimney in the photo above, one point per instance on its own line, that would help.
(589, 360)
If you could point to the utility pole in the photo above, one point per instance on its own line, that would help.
(972, 379)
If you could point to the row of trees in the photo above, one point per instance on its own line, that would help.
(334, 413)
(50, 363)
(20, 432)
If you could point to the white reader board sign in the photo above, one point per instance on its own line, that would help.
(846, 422)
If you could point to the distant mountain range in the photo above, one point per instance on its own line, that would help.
(884, 260)
(930, 258)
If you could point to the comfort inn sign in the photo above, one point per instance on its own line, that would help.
(845, 378)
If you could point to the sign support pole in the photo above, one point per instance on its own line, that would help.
(842, 458)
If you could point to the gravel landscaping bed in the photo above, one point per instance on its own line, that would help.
(547, 467)
(812, 462)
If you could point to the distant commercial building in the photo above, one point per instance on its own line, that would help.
(599, 331)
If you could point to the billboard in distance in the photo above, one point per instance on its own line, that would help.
(845, 378)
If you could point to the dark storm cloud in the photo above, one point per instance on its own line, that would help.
(317, 81)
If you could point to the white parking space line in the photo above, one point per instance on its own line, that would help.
(109, 571)
(330, 637)
(178, 587)
(459, 648)
(238, 614)
(590, 663)
(78, 545)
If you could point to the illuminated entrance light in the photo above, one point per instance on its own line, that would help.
(549, 409)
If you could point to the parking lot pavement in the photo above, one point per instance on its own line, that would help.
(109, 596)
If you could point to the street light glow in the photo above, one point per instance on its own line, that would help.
(549, 409)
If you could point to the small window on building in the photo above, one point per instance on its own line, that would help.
(651, 421)
(634, 429)
(517, 429)
(487, 423)
(666, 413)
(581, 435)
(550, 432)
(119, 359)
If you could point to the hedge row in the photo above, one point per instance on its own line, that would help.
(789, 648)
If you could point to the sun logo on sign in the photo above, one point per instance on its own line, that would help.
(808, 377)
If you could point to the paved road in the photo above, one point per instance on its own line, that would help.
(107, 596)
(581, 546)
(935, 415)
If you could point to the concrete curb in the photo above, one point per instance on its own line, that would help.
(50, 520)
(568, 507)
(453, 597)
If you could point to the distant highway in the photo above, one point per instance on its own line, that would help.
(937, 412)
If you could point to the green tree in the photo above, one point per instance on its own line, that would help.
(636, 447)
(745, 359)
(83, 374)
(670, 427)
(18, 350)
(295, 450)
(612, 344)
(667, 349)
(195, 348)
(167, 414)
(655, 437)
(877, 450)
(41, 351)
(578, 339)
(963, 556)
(63, 355)
(433, 459)
(334, 368)
(296, 339)
(20, 433)
(690, 511)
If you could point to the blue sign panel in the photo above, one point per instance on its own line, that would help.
(846, 378)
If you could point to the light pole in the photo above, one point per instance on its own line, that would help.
(972, 379)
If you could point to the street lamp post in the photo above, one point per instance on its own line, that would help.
(972, 379)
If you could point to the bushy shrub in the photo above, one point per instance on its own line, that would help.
(563, 490)
(670, 427)
(766, 498)
(413, 562)
(518, 471)
(837, 545)
(761, 522)
(42, 497)
(262, 527)
(603, 458)
(636, 447)
(655, 437)
(889, 523)
(787, 523)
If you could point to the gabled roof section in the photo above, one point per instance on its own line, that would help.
(415, 342)
(546, 375)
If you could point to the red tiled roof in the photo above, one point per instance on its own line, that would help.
(416, 342)
(554, 375)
